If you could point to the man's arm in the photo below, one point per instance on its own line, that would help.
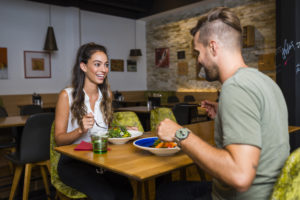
(235, 165)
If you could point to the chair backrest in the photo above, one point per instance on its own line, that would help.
(189, 98)
(3, 112)
(30, 109)
(181, 114)
(159, 114)
(55, 180)
(35, 140)
(127, 119)
(173, 99)
(288, 183)
(155, 101)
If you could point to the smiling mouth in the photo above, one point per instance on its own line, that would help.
(100, 76)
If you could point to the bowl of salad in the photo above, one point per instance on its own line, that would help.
(156, 146)
(121, 135)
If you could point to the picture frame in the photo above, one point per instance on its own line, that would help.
(37, 64)
(162, 57)
(131, 66)
(116, 65)
(3, 63)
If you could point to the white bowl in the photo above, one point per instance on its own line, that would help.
(134, 134)
(146, 143)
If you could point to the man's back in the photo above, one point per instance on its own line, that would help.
(252, 111)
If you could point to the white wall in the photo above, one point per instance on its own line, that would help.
(24, 25)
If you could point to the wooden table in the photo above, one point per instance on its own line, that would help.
(13, 121)
(138, 164)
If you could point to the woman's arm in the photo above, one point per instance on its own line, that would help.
(61, 122)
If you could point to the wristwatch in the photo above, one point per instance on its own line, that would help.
(181, 134)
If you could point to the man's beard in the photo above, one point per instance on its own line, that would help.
(211, 74)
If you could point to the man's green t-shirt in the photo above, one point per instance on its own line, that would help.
(252, 111)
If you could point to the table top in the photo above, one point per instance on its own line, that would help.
(13, 121)
(293, 128)
(137, 109)
(138, 164)
(130, 161)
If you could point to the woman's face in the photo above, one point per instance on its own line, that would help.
(96, 68)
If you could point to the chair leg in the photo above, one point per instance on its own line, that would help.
(27, 177)
(45, 180)
(17, 176)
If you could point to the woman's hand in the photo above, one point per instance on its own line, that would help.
(87, 122)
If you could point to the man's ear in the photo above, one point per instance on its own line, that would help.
(213, 47)
(83, 66)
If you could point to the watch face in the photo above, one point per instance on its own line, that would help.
(182, 133)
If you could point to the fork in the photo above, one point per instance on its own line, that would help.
(98, 124)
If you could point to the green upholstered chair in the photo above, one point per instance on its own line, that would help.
(159, 114)
(287, 185)
(62, 189)
(127, 119)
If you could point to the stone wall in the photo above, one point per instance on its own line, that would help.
(172, 31)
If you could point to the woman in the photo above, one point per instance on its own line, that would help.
(79, 108)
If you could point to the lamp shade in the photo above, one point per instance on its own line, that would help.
(50, 43)
(135, 52)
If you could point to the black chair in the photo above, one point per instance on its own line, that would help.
(7, 137)
(155, 101)
(172, 99)
(181, 114)
(33, 151)
(185, 113)
(30, 109)
(189, 98)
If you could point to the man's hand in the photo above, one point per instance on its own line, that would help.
(211, 108)
(166, 130)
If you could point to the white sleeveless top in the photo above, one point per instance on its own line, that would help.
(97, 115)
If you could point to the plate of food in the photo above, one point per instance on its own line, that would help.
(156, 146)
(121, 135)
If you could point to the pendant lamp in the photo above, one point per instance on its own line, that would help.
(135, 52)
(50, 42)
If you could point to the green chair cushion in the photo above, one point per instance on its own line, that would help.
(56, 182)
(287, 185)
(127, 119)
(159, 114)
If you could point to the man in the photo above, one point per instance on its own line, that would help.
(251, 120)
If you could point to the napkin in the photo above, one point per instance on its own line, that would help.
(85, 146)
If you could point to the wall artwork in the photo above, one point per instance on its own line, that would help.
(37, 64)
(182, 68)
(116, 65)
(180, 55)
(162, 57)
(131, 66)
(3, 63)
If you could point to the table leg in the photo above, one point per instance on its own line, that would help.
(140, 190)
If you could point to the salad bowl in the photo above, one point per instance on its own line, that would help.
(122, 140)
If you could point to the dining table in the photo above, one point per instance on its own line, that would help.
(141, 165)
(13, 121)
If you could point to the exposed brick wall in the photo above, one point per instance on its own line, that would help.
(172, 32)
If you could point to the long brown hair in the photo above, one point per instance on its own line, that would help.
(78, 108)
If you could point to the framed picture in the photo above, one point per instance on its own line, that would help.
(131, 66)
(117, 65)
(162, 57)
(180, 55)
(3, 63)
(37, 64)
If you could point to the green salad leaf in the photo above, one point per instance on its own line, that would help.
(118, 132)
